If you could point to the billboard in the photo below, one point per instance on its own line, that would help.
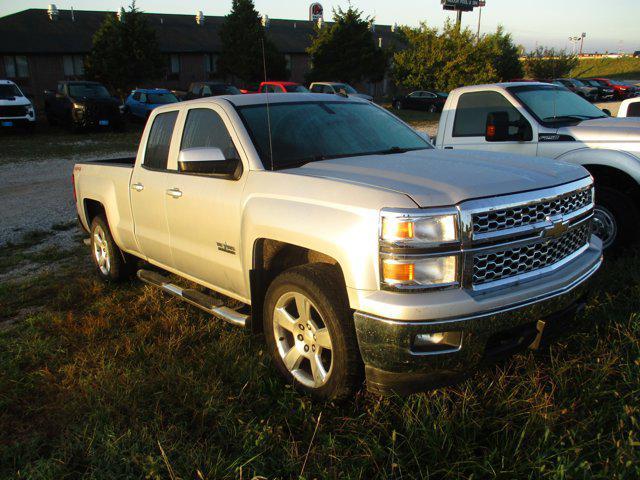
(316, 12)
(462, 5)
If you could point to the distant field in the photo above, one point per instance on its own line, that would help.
(622, 68)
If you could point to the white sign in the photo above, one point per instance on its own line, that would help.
(316, 12)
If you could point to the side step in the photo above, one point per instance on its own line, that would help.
(204, 302)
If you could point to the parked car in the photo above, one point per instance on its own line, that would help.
(282, 87)
(80, 105)
(630, 108)
(622, 90)
(142, 101)
(344, 237)
(545, 120)
(16, 110)
(421, 100)
(576, 86)
(338, 88)
(604, 93)
(210, 89)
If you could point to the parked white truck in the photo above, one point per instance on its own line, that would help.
(546, 120)
(353, 245)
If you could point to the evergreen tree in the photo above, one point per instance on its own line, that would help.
(506, 55)
(547, 63)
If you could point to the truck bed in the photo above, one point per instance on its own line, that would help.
(127, 162)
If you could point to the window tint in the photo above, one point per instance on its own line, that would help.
(316, 89)
(634, 110)
(157, 152)
(472, 111)
(143, 97)
(204, 128)
(136, 96)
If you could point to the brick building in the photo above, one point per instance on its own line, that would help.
(38, 47)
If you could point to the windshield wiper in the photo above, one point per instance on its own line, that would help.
(564, 118)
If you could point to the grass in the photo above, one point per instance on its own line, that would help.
(627, 68)
(105, 381)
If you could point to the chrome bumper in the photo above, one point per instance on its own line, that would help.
(393, 363)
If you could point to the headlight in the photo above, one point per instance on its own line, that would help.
(78, 106)
(426, 272)
(408, 229)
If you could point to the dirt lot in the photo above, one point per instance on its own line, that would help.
(105, 381)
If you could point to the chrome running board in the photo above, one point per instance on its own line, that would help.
(198, 299)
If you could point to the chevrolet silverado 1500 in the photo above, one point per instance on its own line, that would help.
(357, 249)
(545, 120)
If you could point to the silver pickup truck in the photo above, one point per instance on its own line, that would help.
(357, 249)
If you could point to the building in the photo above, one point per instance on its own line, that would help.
(39, 46)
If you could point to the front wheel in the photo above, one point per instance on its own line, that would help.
(397, 105)
(310, 334)
(616, 218)
(433, 108)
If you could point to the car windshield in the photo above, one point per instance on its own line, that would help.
(8, 91)
(88, 90)
(347, 88)
(551, 104)
(225, 90)
(442, 94)
(296, 89)
(161, 98)
(304, 132)
(577, 83)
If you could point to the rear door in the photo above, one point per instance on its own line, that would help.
(148, 190)
(204, 221)
(466, 128)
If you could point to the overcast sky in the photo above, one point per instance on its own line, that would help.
(610, 26)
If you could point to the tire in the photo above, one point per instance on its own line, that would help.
(320, 347)
(397, 105)
(111, 263)
(616, 219)
(433, 108)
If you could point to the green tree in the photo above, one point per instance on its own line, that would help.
(546, 63)
(124, 53)
(443, 61)
(242, 35)
(506, 55)
(346, 50)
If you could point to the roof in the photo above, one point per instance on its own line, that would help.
(6, 82)
(151, 90)
(31, 31)
(263, 98)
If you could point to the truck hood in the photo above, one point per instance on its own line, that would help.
(433, 178)
(14, 102)
(608, 129)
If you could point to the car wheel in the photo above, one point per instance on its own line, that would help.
(310, 334)
(111, 263)
(397, 105)
(433, 108)
(51, 120)
(615, 219)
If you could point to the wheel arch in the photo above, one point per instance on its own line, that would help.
(608, 176)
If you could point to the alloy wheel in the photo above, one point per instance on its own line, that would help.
(605, 226)
(101, 250)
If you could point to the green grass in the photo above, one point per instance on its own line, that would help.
(620, 68)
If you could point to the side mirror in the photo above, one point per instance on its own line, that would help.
(209, 161)
(497, 127)
(607, 112)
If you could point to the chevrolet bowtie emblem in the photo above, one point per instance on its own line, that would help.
(557, 228)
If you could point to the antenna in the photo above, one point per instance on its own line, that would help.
(264, 66)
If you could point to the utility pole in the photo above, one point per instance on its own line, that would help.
(582, 42)
(459, 19)
(479, 21)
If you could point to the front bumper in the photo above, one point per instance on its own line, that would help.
(9, 122)
(394, 364)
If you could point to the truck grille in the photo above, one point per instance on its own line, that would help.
(13, 110)
(494, 266)
(508, 218)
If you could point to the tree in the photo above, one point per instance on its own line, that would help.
(547, 63)
(242, 35)
(124, 53)
(444, 61)
(346, 50)
(506, 55)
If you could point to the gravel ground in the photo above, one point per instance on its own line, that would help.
(36, 196)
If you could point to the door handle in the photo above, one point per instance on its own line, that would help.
(138, 187)
(448, 148)
(174, 192)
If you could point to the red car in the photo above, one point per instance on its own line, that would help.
(621, 90)
(282, 87)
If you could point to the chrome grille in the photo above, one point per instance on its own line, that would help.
(494, 266)
(523, 215)
(13, 110)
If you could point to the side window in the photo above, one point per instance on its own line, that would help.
(206, 91)
(204, 128)
(157, 152)
(316, 89)
(328, 89)
(634, 110)
(415, 94)
(143, 97)
(136, 96)
(473, 109)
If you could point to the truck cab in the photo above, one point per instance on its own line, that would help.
(545, 120)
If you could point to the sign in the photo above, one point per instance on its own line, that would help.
(462, 5)
(316, 12)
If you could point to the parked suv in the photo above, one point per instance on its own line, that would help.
(282, 87)
(604, 93)
(621, 90)
(143, 100)
(210, 89)
(338, 88)
(15, 108)
(576, 86)
(80, 105)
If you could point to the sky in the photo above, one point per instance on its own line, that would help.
(610, 26)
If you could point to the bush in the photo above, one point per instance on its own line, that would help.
(547, 63)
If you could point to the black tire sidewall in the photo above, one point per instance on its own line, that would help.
(625, 213)
(315, 281)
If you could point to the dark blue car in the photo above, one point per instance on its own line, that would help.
(142, 100)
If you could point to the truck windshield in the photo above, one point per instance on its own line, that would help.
(347, 88)
(295, 89)
(303, 132)
(161, 98)
(551, 104)
(8, 91)
(88, 90)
